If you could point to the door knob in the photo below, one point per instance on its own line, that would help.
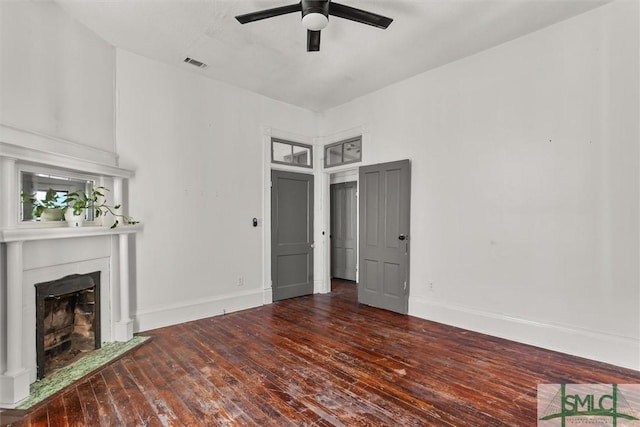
(402, 237)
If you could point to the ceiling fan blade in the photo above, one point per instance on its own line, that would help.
(313, 41)
(359, 15)
(268, 13)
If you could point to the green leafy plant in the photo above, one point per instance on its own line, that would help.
(96, 200)
(51, 201)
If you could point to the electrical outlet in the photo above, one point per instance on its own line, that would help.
(431, 286)
(240, 280)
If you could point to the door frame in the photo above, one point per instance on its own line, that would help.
(348, 172)
(265, 222)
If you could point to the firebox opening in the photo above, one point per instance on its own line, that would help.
(68, 321)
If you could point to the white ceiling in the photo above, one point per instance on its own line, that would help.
(269, 57)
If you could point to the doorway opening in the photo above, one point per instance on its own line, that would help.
(341, 222)
(343, 234)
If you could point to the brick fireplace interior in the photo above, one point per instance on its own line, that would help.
(67, 320)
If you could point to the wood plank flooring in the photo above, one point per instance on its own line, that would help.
(321, 360)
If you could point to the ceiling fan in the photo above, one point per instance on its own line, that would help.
(315, 17)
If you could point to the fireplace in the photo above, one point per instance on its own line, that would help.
(67, 320)
(33, 253)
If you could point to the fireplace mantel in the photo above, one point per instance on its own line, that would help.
(21, 241)
(25, 234)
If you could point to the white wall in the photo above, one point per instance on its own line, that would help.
(56, 79)
(196, 145)
(525, 185)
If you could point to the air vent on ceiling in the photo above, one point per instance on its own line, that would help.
(195, 62)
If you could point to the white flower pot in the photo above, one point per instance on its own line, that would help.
(51, 214)
(74, 220)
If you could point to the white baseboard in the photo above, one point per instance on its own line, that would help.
(193, 310)
(613, 349)
(267, 296)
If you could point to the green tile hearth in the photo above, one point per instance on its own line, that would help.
(47, 387)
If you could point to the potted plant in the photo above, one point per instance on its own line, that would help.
(51, 208)
(78, 201)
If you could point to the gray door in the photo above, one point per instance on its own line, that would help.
(291, 234)
(384, 235)
(344, 223)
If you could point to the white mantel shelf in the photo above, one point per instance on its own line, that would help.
(48, 233)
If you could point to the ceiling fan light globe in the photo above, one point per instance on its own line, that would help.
(315, 21)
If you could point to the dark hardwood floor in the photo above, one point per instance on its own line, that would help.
(320, 360)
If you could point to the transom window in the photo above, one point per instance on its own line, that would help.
(343, 152)
(291, 153)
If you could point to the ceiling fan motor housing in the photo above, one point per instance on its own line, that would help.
(315, 14)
